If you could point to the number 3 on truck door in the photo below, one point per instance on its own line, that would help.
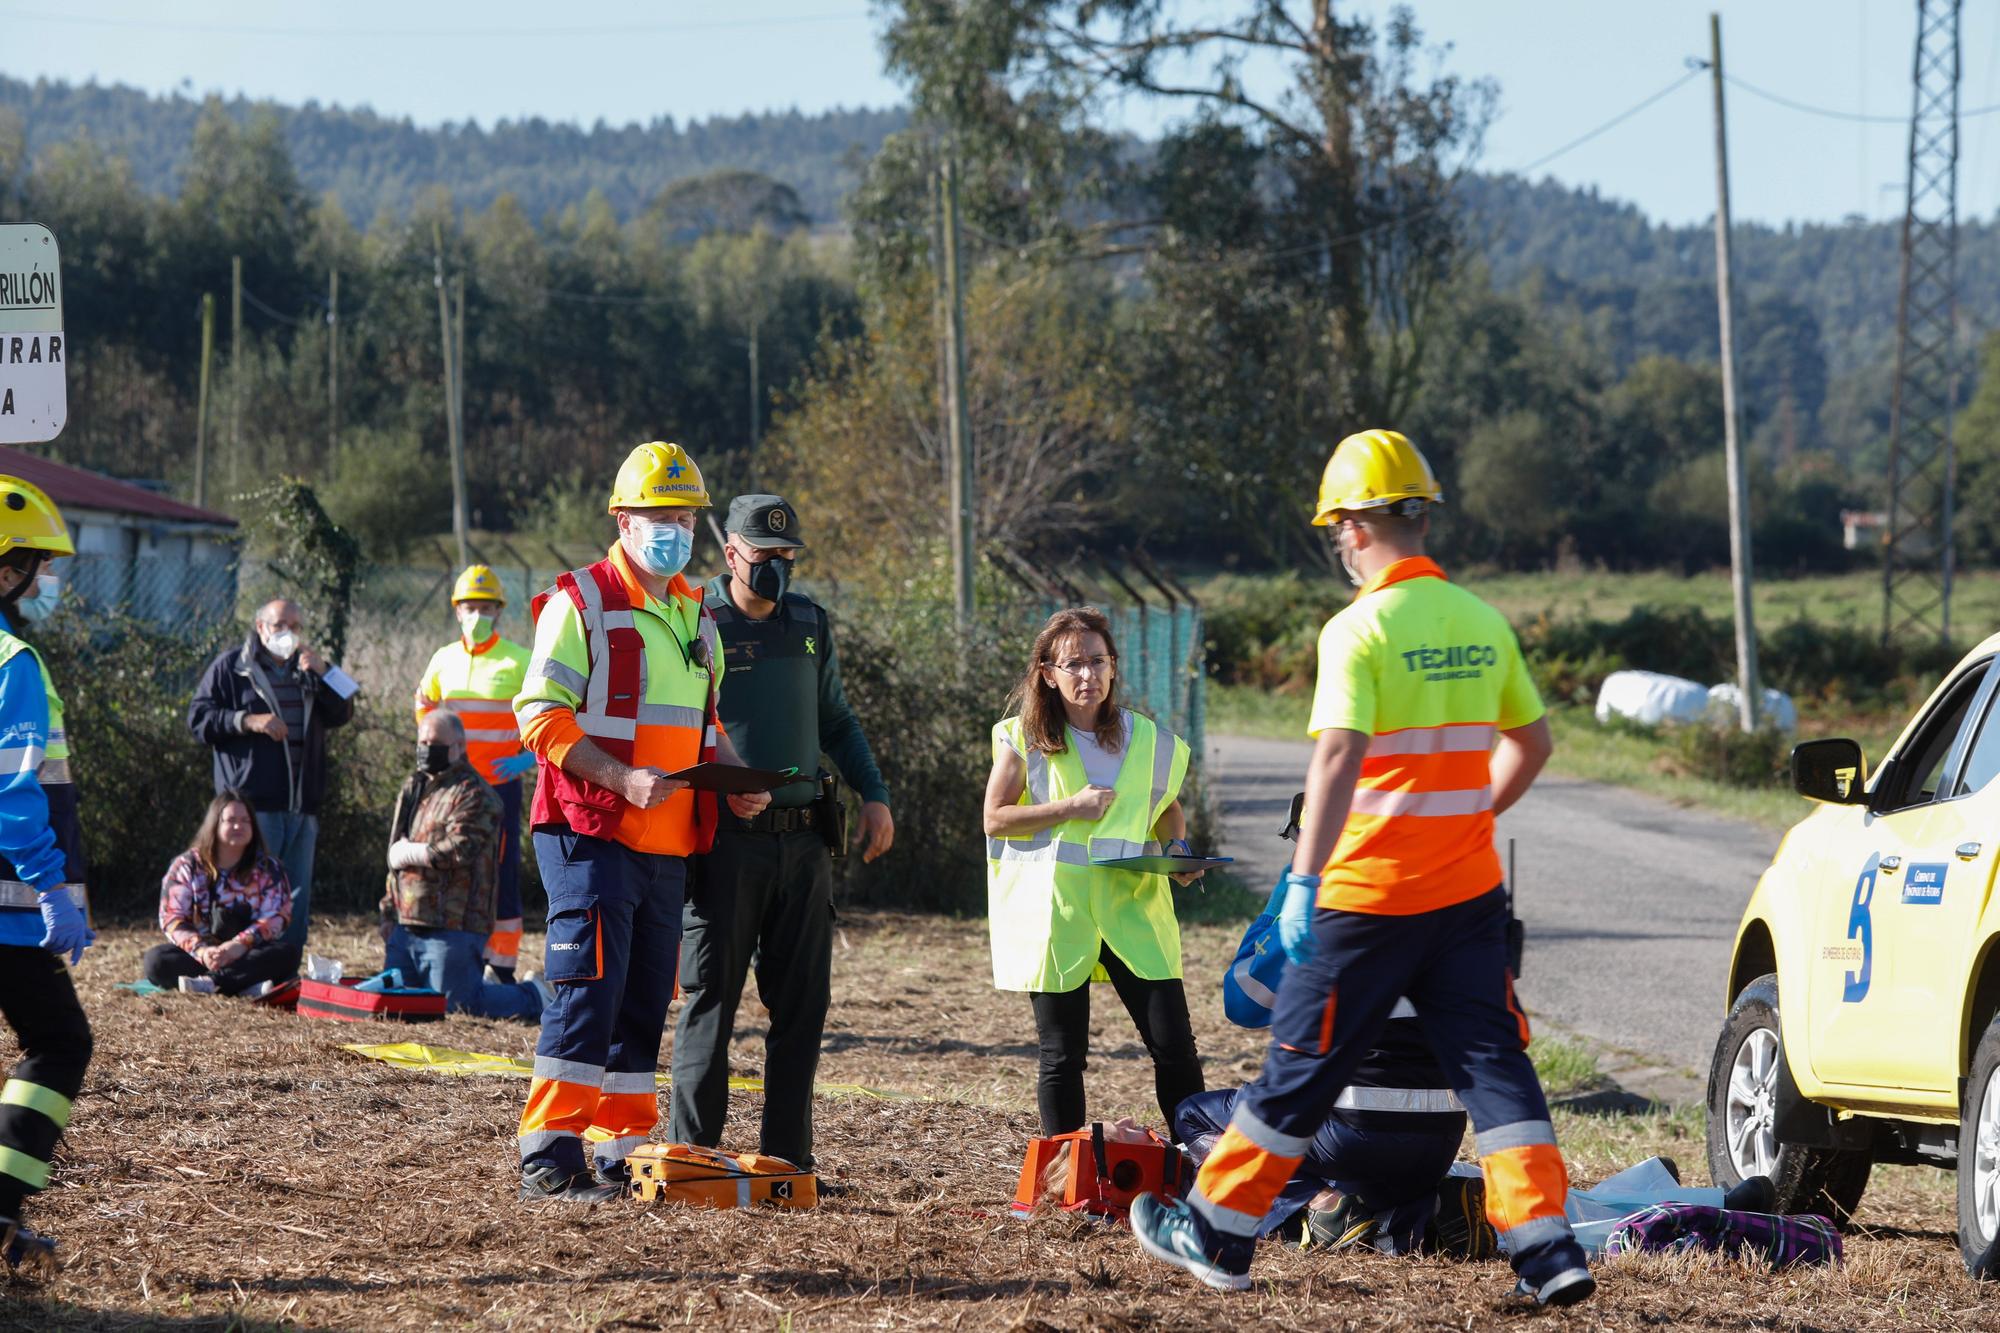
(1859, 927)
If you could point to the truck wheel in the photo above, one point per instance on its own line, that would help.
(1743, 1083)
(1979, 1159)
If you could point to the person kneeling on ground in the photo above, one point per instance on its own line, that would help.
(1374, 1174)
(443, 877)
(225, 905)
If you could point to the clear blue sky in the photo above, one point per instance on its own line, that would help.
(1564, 67)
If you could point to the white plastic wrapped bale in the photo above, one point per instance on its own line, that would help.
(1651, 698)
(1776, 710)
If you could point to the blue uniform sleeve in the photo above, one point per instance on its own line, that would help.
(840, 734)
(26, 839)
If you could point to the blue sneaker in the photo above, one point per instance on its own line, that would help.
(1168, 1229)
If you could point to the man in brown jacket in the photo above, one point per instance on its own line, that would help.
(443, 875)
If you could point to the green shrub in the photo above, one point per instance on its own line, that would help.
(142, 781)
(928, 699)
(1722, 753)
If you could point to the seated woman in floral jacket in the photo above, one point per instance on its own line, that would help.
(224, 905)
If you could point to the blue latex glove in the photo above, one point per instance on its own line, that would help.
(68, 932)
(1295, 918)
(515, 766)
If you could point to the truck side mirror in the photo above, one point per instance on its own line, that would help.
(1830, 771)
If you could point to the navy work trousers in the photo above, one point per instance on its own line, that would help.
(614, 947)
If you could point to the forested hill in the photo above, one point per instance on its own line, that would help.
(375, 163)
(1582, 253)
(1590, 251)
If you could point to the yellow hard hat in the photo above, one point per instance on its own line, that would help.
(1372, 469)
(478, 584)
(30, 519)
(656, 475)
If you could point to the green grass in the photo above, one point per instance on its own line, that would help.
(1853, 599)
(1244, 710)
(1565, 1065)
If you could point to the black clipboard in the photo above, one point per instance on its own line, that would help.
(733, 779)
(1165, 865)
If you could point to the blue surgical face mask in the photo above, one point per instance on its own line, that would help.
(662, 548)
(41, 603)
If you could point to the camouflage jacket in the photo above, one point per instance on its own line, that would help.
(457, 816)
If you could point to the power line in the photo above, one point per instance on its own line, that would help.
(251, 297)
(455, 33)
(1612, 123)
(1832, 113)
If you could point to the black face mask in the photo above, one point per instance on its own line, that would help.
(770, 579)
(433, 758)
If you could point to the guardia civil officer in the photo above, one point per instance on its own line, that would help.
(41, 877)
(1427, 726)
(620, 692)
(764, 891)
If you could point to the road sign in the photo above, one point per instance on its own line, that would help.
(34, 400)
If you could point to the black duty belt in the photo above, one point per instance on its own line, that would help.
(773, 820)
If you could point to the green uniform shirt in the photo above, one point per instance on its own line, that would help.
(782, 702)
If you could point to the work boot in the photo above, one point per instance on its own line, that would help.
(549, 1181)
(1460, 1229)
(29, 1254)
(615, 1174)
(1170, 1230)
(1554, 1274)
(1345, 1225)
(498, 975)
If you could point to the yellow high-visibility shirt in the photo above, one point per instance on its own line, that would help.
(478, 684)
(1431, 675)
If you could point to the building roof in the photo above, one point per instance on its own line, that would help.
(75, 487)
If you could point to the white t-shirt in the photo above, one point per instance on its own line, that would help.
(1100, 765)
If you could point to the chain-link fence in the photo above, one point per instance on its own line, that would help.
(193, 598)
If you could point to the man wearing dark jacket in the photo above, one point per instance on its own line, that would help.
(265, 709)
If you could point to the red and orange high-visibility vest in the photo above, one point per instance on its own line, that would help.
(639, 682)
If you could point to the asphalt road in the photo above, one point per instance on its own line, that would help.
(1630, 905)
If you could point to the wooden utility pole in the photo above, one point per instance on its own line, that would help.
(458, 364)
(958, 421)
(1739, 499)
(332, 363)
(235, 365)
(755, 393)
(201, 400)
(452, 429)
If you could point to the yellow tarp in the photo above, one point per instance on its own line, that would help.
(445, 1060)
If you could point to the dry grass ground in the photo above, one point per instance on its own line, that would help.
(234, 1168)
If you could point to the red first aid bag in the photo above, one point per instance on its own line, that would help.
(339, 1000)
(1086, 1171)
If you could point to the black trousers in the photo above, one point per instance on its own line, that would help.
(767, 896)
(1062, 1024)
(39, 1003)
(272, 960)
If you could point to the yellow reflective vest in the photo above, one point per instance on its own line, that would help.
(1050, 911)
(479, 684)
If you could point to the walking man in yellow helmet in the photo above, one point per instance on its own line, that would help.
(620, 692)
(476, 676)
(41, 877)
(1426, 727)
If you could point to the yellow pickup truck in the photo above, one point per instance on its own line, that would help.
(1864, 989)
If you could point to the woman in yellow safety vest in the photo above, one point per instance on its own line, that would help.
(1076, 780)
